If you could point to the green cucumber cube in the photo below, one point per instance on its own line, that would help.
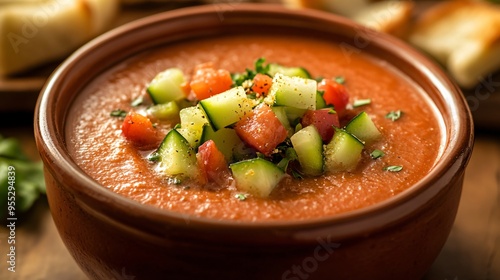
(256, 176)
(225, 139)
(343, 152)
(288, 71)
(176, 157)
(294, 92)
(167, 86)
(363, 128)
(228, 107)
(308, 145)
(192, 121)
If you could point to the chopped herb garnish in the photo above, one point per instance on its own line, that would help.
(138, 101)
(174, 181)
(298, 127)
(240, 78)
(290, 155)
(361, 102)
(252, 96)
(332, 111)
(340, 80)
(241, 196)
(297, 175)
(377, 154)
(393, 168)
(394, 115)
(319, 79)
(118, 113)
(154, 157)
(259, 66)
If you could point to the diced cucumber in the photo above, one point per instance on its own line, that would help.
(228, 107)
(343, 152)
(167, 86)
(280, 113)
(165, 111)
(288, 71)
(256, 176)
(294, 114)
(363, 128)
(320, 101)
(192, 121)
(308, 145)
(225, 139)
(176, 157)
(294, 92)
(243, 152)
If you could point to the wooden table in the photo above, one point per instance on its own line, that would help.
(471, 252)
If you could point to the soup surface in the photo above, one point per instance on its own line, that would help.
(412, 141)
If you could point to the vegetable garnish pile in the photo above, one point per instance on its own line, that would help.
(254, 127)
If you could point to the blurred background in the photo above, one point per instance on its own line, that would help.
(462, 36)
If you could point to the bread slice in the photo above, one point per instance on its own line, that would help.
(392, 17)
(37, 32)
(464, 36)
(342, 7)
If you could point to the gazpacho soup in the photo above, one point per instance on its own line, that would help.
(255, 128)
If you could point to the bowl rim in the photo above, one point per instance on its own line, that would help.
(454, 157)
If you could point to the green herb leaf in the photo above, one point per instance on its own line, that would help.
(393, 168)
(298, 127)
(240, 78)
(340, 80)
(155, 156)
(241, 196)
(332, 111)
(19, 172)
(297, 175)
(290, 155)
(319, 79)
(394, 115)
(259, 66)
(377, 154)
(361, 102)
(175, 181)
(138, 101)
(118, 113)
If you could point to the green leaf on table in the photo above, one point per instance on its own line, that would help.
(23, 176)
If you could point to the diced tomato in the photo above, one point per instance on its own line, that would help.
(140, 131)
(261, 84)
(186, 87)
(261, 129)
(324, 120)
(208, 81)
(334, 94)
(212, 164)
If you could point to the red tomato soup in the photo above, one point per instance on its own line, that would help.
(413, 141)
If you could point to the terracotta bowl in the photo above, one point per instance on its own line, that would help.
(112, 237)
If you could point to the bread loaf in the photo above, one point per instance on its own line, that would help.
(36, 32)
(464, 36)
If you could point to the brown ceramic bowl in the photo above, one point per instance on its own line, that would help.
(111, 236)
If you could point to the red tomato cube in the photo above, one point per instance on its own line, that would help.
(261, 129)
(324, 120)
(212, 164)
(208, 81)
(140, 131)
